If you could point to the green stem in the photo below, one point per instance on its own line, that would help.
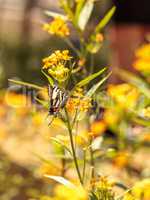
(71, 45)
(72, 147)
(63, 161)
(92, 161)
(92, 64)
(84, 165)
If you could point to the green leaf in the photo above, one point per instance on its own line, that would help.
(121, 185)
(61, 180)
(105, 19)
(95, 87)
(93, 47)
(26, 84)
(50, 80)
(67, 9)
(54, 14)
(56, 140)
(134, 80)
(43, 103)
(42, 159)
(141, 121)
(85, 14)
(79, 7)
(90, 78)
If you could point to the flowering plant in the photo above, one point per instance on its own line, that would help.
(75, 102)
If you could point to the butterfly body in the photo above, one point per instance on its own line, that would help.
(58, 99)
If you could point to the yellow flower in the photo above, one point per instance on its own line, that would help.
(142, 65)
(60, 73)
(65, 193)
(128, 196)
(142, 62)
(111, 116)
(124, 94)
(78, 101)
(146, 112)
(80, 104)
(102, 182)
(98, 128)
(81, 62)
(99, 37)
(82, 138)
(17, 100)
(56, 65)
(3, 111)
(57, 27)
(122, 159)
(56, 58)
(47, 198)
(143, 51)
(3, 133)
(78, 92)
(146, 137)
(141, 190)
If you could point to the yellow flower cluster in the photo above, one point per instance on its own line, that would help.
(102, 182)
(141, 190)
(121, 160)
(142, 62)
(78, 101)
(56, 58)
(125, 95)
(60, 73)
(62, 192)
(57, 27)
(111, 116)
(99, 37)
(98, 128)
(82, 139)
(55, 64)
(146, 112)
(81, 104)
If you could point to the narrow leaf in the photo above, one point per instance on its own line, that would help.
(79, 7)
(66, 7)
(141, 121)
(43, 103)
(26, 84)
(95, 87)
(50, 80)
(85, 14)
(56, 140)
(61, 180)
(54, 14)
(134, 80)
(105, 19)
(90, 78)
(42, 159)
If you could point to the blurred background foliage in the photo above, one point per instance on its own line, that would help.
(23, 44)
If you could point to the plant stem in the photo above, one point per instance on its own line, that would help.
(71, 45)
(63, 161)
(72, 147)
(84, 165)
(91, 64)
(92, 161)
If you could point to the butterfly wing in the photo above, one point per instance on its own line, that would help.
(58, 99)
